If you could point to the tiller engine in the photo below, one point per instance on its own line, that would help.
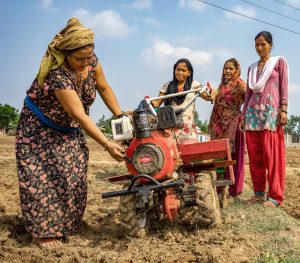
(166, 179)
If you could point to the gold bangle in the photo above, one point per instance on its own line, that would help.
(105, 146)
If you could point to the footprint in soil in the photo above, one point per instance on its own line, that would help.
(13, 229)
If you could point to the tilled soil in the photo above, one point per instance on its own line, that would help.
(241, 237)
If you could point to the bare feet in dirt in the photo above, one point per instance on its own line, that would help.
(46, 242)
(256, 200)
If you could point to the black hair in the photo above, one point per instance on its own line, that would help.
(173, 86)
(267, 36)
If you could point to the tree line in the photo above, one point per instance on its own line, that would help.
(9, 117)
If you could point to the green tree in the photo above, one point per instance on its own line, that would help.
(9, 116)
(293, 125)
(105, 124)
(202, 125)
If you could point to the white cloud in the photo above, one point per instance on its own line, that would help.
(139, 4)
(105, 24)
(248, 11)
(164, 54)
(295, 3)
(193, 5)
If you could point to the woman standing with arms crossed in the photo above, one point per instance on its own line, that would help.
(265, 114)
(51, 150)
(224, 120)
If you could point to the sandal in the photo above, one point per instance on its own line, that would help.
(256, 199)
(271, 203)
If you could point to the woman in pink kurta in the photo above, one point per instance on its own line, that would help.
(225, 118)
(265, 113)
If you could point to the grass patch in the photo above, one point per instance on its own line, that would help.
(272, 229)
(279, 257)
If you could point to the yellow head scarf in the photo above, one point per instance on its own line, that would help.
(73, 36)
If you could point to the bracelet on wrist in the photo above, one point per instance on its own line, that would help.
(284, 111)
(105, 145)
(121, 115)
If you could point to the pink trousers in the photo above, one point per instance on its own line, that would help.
(239, 168)
(266, 152)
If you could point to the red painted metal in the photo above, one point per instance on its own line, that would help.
(211, 150)
(164, 140)
(171, 204)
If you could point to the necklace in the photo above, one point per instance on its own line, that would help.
(260, 67)
(71, 70)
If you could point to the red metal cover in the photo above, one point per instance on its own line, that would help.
(215, 149)
(164, 140)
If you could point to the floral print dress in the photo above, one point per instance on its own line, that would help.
(226, 112)
(261, 109)
(188, 133)
(52, 165)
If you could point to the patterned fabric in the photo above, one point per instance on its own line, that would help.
(52, 166)
(261, 109)
(226, 112)
(224, 121)
(188, 133)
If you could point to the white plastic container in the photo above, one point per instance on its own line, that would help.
(122, 129)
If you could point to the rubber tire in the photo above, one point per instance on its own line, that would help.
(207, 212)
(130, 220)
(222, 197)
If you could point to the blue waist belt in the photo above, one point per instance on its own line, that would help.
(38, 113)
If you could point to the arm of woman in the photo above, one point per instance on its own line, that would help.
(213, 94)
(242, 86)
(73, 106)
(106, 92)
(283, 89)
(212, 97)
(157, 103)
(247, 98)
(246, 101)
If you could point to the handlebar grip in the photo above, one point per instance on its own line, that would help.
(179, 111)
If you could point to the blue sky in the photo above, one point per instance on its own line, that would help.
(138, 41)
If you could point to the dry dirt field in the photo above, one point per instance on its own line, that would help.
(249, 233)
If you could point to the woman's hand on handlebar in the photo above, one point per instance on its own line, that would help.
(213, 94)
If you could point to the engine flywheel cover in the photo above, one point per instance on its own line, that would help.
(148, 159)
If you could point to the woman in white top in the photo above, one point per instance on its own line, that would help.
(183, 81)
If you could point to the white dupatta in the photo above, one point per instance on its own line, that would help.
(259, 85)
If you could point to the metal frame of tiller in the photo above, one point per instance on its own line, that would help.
(196, 157)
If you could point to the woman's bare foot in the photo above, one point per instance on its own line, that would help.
(46, 242)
